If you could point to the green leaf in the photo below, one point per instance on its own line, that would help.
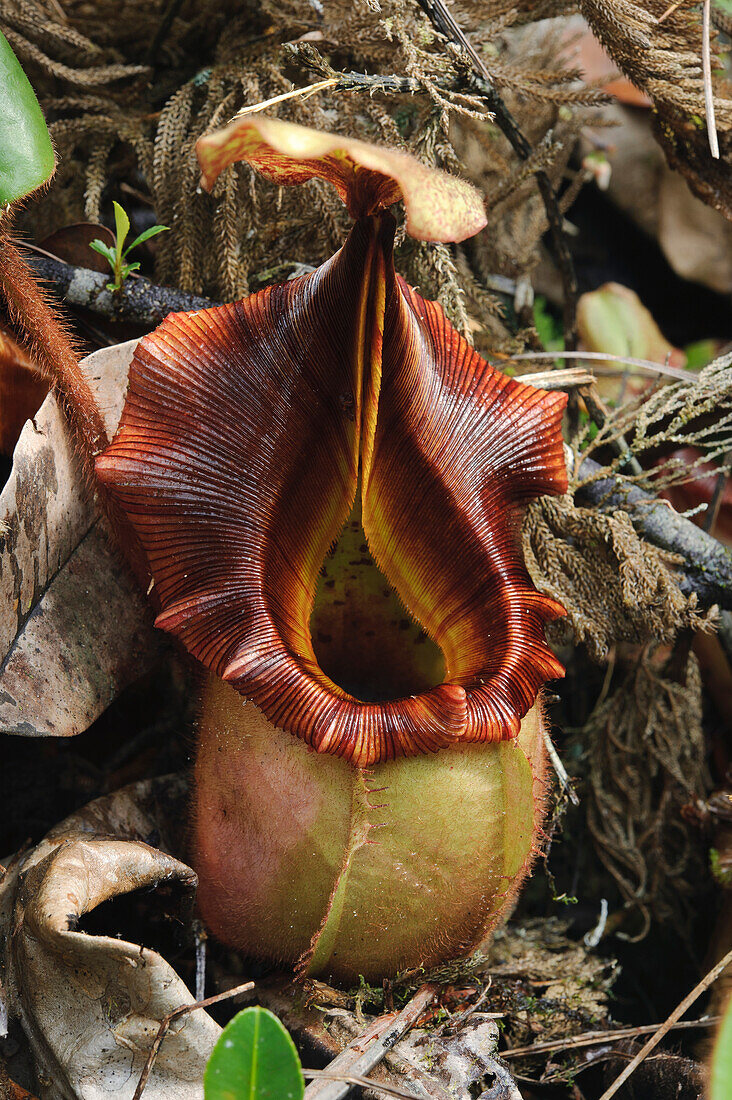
(699, 353)
(254, 1059)
(127, 268)
(122, 225)
(146, 235)
(720, 1084)
(26, 154)
(104, 250)
(548, 329)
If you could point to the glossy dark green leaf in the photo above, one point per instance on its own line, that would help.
(254, 1059)
(26, 154)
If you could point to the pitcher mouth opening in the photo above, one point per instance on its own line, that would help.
(363, 638)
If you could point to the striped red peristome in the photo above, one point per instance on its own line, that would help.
(247, 432)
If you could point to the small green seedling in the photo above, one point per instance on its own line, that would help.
(254, 1059)
(116, 254)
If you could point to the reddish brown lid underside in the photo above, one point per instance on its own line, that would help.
(368, 178)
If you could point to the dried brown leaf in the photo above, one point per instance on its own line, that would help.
(91, 1005)
(74, 629)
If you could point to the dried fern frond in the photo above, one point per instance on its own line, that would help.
(646, 753)
(615, 585)
(141, 127)
(693, 413)
(665, 61)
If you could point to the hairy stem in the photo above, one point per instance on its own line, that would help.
(48, 343)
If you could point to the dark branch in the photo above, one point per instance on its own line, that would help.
(707, 568)
(480, 80)
(138, 301)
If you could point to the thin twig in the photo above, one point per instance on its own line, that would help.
(564, 781)
(351, 81)
(354, 1061)
(558, 379)
(677, 373)
(707, 77)
(138, 301)
(602, 1056)
(56, 5)
(618, 443)
(353, 1079)
(665, 1027)
(443, 21)
(707, 564)
(594, 407)
(715, 503)
(304, 93)
(462, 1018)
(669, 11)
(597, 1038)
(168, 1020)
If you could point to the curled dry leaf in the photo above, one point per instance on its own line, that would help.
(91, 1005)
(72, 245)
(614, 319)
(74, 630)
